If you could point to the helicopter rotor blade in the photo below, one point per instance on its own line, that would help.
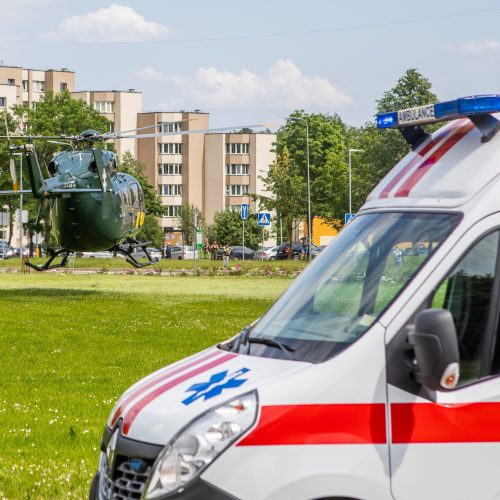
(113, 135)
(188, 132)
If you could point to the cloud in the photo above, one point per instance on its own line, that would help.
(472, 47)
(116, 23)
(283, 86)
(153, 75)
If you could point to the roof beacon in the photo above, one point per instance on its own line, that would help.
(477, 108)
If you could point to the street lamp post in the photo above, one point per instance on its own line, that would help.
(350, 176)
(309, 228)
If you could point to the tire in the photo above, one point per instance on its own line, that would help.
(236, 258)
(179, 258)
(272, 258)
(94, 488)
(296, 257)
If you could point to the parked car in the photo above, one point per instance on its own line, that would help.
(18, 252)
(266, 253)
(283, 251)
(154, 252)
(236, 253)
(6, 251)
(100, 254)
(184, 252)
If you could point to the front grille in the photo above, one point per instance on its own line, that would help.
(125, 483)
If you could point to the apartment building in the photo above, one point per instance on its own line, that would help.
(233, 164)
(210, 171)
(121, 108)
(26, 86)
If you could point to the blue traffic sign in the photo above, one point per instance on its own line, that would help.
(264, 219)
(349, 218)
(244, 211)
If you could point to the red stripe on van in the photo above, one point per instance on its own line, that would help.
(135, 410)
(451, 423)
(416, 159)
(160, 378)
(319, 424)
(426, 165)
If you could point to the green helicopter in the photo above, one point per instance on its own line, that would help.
(93, 206)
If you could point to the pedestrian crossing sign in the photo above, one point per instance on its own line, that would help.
(264, 219)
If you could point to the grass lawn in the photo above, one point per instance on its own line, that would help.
(71, 344)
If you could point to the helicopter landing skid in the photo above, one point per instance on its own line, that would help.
(132, 244)
(48, 264)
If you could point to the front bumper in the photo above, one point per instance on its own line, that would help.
(197, 490)
(126, 481)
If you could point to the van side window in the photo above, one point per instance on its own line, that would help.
(467, 293)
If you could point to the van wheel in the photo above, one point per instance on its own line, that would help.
(179, 258)
(94, 488)
(272, 258)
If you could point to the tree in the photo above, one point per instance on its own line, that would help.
(58, 114)
(186, 218)
(327, 159)
(289, 190)
(151, 231)
(383, 148)
(227, 229)
(152, 201)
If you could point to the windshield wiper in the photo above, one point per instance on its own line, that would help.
(271, 343)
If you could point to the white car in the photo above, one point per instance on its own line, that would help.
(185, 252)
(154, 252)
(101, 254)
(266, 253)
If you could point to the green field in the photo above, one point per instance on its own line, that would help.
(71, 344)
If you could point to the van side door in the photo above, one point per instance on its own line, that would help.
(446, 444)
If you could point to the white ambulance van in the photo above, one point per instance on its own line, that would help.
(375, 375)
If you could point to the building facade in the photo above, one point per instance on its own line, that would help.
(26, 86)
(121, 108)
(213, 172)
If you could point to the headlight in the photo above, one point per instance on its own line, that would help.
(200, 443)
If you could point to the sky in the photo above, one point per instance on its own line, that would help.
(253, 62)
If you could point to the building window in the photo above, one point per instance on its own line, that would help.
(170, 148)
(236, 169)
(237, 147)
(38, 86)
(25, 85)
(169, 127)
(172, 211)
(170, 189)
(169, 169)
(2, 102)
(236, 189)
(63, 86)
(234, 208)
(11, 81)
(104, 106)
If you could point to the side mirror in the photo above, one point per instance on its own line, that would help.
(434, 340)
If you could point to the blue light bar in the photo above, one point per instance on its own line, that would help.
(441, 111)
(387, 120)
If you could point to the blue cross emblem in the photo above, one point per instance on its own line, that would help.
(217, 383)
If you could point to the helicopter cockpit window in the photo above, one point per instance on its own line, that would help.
(133, 194)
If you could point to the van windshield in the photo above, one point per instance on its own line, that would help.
(341, 294)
